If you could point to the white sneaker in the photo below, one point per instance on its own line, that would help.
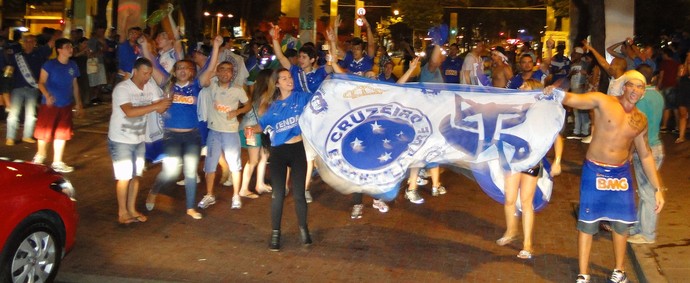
(380, 205)
(228, 182)
(421, 182)
(618, 276)
(307, 196)
(414, 196)
(436, 191)
(639, 239)
(587, 139)
(357, 211)
(38, 159)
(207, 201)
(61, 167)
(582, 278)
(236, 202)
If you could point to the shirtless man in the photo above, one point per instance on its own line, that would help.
(501, 72)
(615, 71)
(606, 191)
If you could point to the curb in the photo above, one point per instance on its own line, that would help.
(645, 264)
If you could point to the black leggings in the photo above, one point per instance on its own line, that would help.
(282, 157)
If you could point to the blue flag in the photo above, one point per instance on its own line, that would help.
(367, 134)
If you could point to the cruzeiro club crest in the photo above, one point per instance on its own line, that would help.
(368, 144)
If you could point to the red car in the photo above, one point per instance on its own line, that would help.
(38, 221)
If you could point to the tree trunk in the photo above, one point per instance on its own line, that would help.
(597, 31)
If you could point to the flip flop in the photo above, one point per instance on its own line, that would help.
(680, 140)
(126, 221)
(250, 195)
(505, 240)
(524, 254)
(140, 218)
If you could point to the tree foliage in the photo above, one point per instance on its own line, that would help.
(561, 7)
(421, 14)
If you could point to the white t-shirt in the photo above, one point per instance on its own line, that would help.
(167, 59)
(222, 101)
(469, 64)
(616, 86)
(130, 130)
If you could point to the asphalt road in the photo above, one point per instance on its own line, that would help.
(448, 238)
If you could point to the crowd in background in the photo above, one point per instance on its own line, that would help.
(216, 95)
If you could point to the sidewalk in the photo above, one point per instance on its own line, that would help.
(446, 239)
(667, 260)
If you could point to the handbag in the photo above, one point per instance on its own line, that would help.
(92, 65)
(154, 127)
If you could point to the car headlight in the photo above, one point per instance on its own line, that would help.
(64, 186)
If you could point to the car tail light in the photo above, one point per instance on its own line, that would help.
(64, 186)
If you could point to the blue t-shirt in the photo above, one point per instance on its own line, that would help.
(517, 80)
(308, 82)
(182, 114)
(126, 55)
(425, 76)
(451, 70)
(281, 120)
(34, 61)
(59, 83)
(638, 61)
(357, 67)
(392, 79)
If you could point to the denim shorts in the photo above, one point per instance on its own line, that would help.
(128, 159)
(227, 143)
(593, 228)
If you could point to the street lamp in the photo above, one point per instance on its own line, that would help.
(396, 12)
(219, 15)
(207, 14)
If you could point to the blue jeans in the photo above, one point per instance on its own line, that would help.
(646, 216)
(581, 122)
(182, 152)
(26, 97)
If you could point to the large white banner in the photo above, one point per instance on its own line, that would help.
(368, 133)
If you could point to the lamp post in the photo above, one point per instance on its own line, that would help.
(219, 16)
(207, 14)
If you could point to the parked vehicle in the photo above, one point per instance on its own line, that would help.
(38, 221)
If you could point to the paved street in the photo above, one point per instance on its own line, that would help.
(446, 239)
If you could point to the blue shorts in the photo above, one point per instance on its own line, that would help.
(229, 144)
(128, 159)
(607, 193)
